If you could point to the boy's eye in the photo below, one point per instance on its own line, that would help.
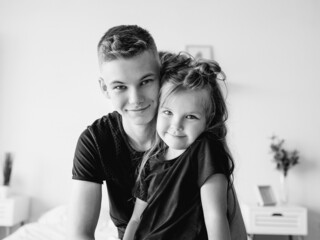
(191, 117)
(120, 87)
(144, 82)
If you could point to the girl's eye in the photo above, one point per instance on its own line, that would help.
(166, 112)
(191, 117)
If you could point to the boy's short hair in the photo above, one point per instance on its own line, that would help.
(125, 41)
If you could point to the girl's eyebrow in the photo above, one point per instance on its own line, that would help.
(195, 113)
(164, 107)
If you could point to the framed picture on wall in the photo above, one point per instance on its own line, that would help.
(200, 51)
(265, 195)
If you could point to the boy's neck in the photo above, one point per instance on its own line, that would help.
(140, 136)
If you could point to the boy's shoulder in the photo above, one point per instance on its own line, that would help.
(111, 119)
(104, 129)
(106, 124)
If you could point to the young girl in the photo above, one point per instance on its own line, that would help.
(184, 187)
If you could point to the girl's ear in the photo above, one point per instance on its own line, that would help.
(103, 87)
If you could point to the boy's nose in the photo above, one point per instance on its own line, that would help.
(135, 97)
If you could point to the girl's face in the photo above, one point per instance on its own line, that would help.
(181, 118)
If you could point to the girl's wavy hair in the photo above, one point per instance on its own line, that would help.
(183, 72)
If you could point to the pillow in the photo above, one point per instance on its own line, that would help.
(57, 215)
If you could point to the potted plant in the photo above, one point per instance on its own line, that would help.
(284, 160)
(7, 169)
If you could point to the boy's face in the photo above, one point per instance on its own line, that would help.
(132, 85)
(181, 118)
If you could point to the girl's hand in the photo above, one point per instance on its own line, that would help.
(135, 219)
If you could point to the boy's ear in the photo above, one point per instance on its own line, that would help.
(103, 87)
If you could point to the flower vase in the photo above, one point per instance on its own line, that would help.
(283, 195)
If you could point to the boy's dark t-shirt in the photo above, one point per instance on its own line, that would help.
(172, 190)
(104, 154)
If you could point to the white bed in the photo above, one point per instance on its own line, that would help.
(52, 226)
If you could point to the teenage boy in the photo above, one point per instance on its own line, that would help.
(111, 148)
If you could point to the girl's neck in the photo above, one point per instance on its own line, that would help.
(140, 136)
(172, 154)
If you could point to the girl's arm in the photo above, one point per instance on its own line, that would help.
(214, 205)
(135, 219)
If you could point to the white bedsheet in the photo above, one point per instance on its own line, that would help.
(52, 226)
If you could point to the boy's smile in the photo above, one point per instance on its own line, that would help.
(139, 109)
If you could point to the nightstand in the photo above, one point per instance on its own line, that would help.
(13, 210)
(275, 220)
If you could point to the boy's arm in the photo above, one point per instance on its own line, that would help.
(214, 204)
(135, 219)
(84, 210)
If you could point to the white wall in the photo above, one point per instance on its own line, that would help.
(49, 92)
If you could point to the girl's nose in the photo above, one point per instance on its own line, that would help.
(176, 124)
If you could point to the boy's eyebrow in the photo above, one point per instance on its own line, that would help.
(116, 82)
(148, 75)
(143, 77)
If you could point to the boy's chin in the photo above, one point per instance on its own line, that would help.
(141, 120)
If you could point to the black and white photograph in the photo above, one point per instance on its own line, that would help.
(166, 120)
